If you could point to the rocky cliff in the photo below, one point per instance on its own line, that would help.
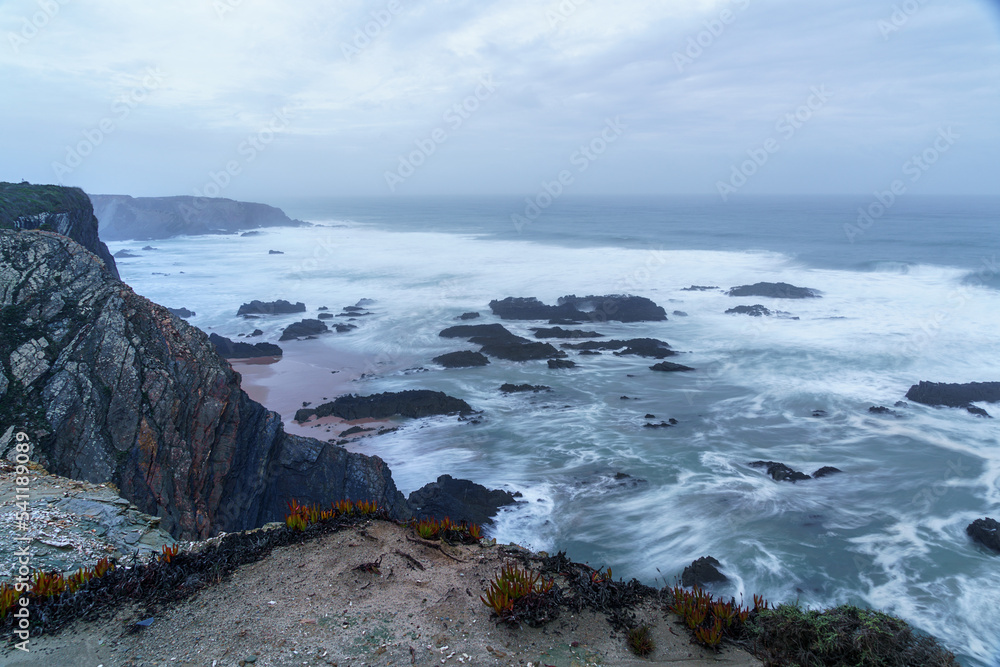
(122, 217)
(115, 388)
(66, 211)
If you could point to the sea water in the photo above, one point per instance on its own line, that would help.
(909, 293)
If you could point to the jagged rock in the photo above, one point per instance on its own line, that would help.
(572, 309)
(669, 367)
(3, 381)
(464, 359)
(561, 363)
(559, 332)
(518, 351)
(467, 316)
(279, 307)
(755, 310)
(413, 403)
(228, 349)
(775, 291)
(125, 254)
(509, 388)
(459, 500)
(354, 430)
(679, 313)
(699, 288)
(589, 353)
(479, 333)
(182, 312)
(30, 361)
(135, 396)
(954, 395)
(344, 328)
(825, 471)
(643, 347)
(123, 217)
(979, 412)
(54, 208)
(779, 472)
(703, 571)
(148, 248)
(304, 329)
(255, 333)
(986, 531)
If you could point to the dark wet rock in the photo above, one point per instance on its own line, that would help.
(826, 471)
(354, 430)
(561, 322)
(561, 363)
(325, 316)
(415, 403)
(643, 347)
(882, 410)
(559, 332)
(353, 314)
(464, 359)
(467, 316)
(650, 416)
(148, 248)
(246, 234)
(480, 333)
(323, 308)
(122, 391)
(985, 531)
(775, 291)
(182, 312)
(227, 349)
(459, 500)
(279, 307)
(125, 254)
(612, 482)
(303, 329)
(755, 310)
(364, 303)
(699, 288)
(979, 412)
(703, 571)
(344, 328)
(593, 353)
(779, 472)
(819, 413)
(255, 333)
(668, 367)
(679, 313)
(955, 395)
(518, 351)
(509, 388)
(275, 252)
(123, 217)
(900, 404)
(572, 309)
(662, 424)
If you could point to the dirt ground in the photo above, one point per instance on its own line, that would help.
(307, 604)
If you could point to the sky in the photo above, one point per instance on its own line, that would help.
(259, 99)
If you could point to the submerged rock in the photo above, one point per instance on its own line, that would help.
(703, 571)
(882, 410)
(228, 349)
(775, 291)
(559, 332)
(413, 403)
(642, 347)
(985, 531)
(755, 310)
(279, 307)
(464, 359)
(468, 316)
(459, 500)
(668, 367)
(699, 288)
(561, 363)
(518, 351)
(826, 471)
(509, 388)
(779, 472)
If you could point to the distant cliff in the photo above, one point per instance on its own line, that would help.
(144, 218)
(54, 208)
(112, 387)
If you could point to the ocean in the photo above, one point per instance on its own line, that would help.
(910, 292)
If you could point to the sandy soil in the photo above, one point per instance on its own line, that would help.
(308, 605)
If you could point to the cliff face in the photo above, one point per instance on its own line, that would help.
(122, 217)
(66, 211)
(114, 388)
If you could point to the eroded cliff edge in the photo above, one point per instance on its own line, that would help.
(113, 388)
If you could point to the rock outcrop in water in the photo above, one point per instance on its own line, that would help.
(53, 208)
(779, 472)
(122, 217)
(459, 500)
(703, 571)
(985, 531)
(642, 347)
(413, 403)
(113, 388)
(571, 308)
(463, 359)
(307, 328)
(755, 310)
(497, 341)
(775, 291)
(279, 307)
(956, 395)
(229, 349)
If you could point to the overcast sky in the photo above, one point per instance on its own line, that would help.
(499, 96)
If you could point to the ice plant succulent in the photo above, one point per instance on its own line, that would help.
(640, 641)
(513, 590)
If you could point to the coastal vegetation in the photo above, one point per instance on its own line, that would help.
(23, 199)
